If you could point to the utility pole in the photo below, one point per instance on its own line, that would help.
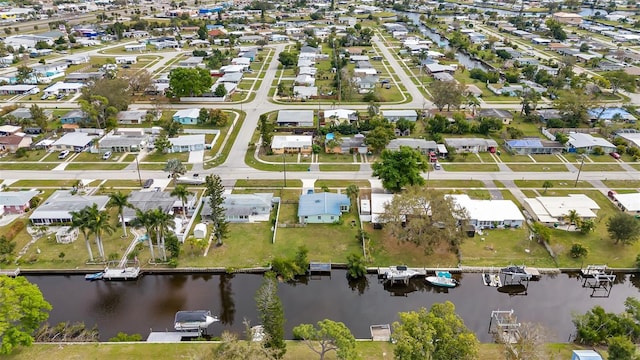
(579, 171)
(284, 168)
(138, 168)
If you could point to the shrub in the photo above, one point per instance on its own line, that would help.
(578, 251)
(121, 336)
(356, 267)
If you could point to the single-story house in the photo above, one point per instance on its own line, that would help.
(504, 115)
(243, 207)
(306, 80)
(73, 117)
(395, 115)
(434, 68)
(422, 145)
(191, 62)
(371, 209)
(549, 114)
(146, 200)
(568, 18)
(16, 202)
(129, 117)
(553, 209)
(337, 116)
(632, 137)
(322, 208)
(611, 114)
(281, 144)
(626, 202)
(123, 140)
(63, 88)
(529, 146)
(234, 78)
(128, 60)
(489, 214)
(305, 92)
(73, 141)
(295, 118)
(58, 207)
(443, 76)
(472, 145)
(12, 143)
(187, 116)
(6, 130)
(19, 89)
(83, 77)
(587, 143)
(354, 144)
(185, 143)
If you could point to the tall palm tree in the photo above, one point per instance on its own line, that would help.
(473, 103)
(573, 218)
(99, 225)
(145, 219)
(120, 201)
(182, 193)
(79, 220)
(163, 222)
(176, 168)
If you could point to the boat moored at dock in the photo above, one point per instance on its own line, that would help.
(442, 279)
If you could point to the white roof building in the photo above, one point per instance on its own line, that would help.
(339, 114)
(489, 213)
(552, 209)
(63, 87)
(73, 140)
(378, 203)
(587, 143)
(626, 202)
(291, 141)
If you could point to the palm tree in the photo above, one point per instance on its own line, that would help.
(352, 192)
(145, 220)
(546, 185)
(79, 220)
(162, 222)
(573, 218)
(98, 221)
(473, 103)
(182, 193)
(176, 168)
(120, 201)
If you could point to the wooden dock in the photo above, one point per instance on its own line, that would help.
(380, 332)
(171, 336)
(10, 273)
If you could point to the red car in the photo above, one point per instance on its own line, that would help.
(615, 155)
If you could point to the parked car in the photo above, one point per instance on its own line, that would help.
(437, 166)
(147, 183)
(106, 155)
(63, 154)
(615, 155)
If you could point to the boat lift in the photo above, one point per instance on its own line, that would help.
(518, 277)
(598, 280)
(504, 326)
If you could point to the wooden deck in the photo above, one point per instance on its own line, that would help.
(10, 273)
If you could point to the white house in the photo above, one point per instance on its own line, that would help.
(553, 209)
(126, 59)
(485, 214)
(184, 143)
(587, 143)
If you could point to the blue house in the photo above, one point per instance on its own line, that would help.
(73, 117)
(322, 208)
(187, 116)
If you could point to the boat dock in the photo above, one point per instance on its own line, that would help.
(10, 273)
(593, 270)
(380, 332)
(504, 326)
(399, 274)
(317, 269)
(127, 273)
(171, 336)
(598, 280)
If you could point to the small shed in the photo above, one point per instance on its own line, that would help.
(200, 231)
(585, 355)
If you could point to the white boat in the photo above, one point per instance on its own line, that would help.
(197, 320)
(442, 279)
(491, 280)
(398, 273)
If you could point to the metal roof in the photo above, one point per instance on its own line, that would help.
(321, 203)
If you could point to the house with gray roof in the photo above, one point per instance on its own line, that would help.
(24, 113)
(16, 202)
(129, 117)
(503, 115)
(422, 145)
(531, 146)
(587, 143)
(243, 208)
(395, 115)
(125, 141)
(75, 141)
(295, 118)
(186, 143)
(58, 207)
(322, 208)
(147, 200)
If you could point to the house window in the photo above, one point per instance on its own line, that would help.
(319, 217)
(344, 208)
(331, 217)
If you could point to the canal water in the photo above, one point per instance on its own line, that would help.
(152, 301)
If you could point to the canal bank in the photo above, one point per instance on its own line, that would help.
(150, 303)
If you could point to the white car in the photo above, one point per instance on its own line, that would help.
(63, 154)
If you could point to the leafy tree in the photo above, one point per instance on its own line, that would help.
(232, 348)
(596, 326)
(189, 82)
(572, 217)
(162, 143)
(623, 228)
(586, 226)
(446, 93)
(23, 74)
(574, 107)
(182, 193)
(489, 124)
(39, 117)
(287, 59)
(215, 191)
(439, 334)
(356, 266)
(171, 128)
(434, 218)
(203, 116)
(530, 345)
(98, 110)
(621, 348)
(620, 80)
(378, 138)
(555, 29)
(120, 201)
(328, 336)
(140, 81)
(115, 90)
(398, 169)
(22, 310)
(124, 337)
(404, 125)
(145, 219)
(541, 232)
(266, 130)
(220, 91)
(218, 117)
(578, 251)
(176, 169)
(271, 314)
(352, 192)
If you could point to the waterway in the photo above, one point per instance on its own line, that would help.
(151, 301)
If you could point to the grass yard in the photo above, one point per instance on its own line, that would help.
(538, 167)
(455, 183)
(601, 167)
(33, 155)
(531, 193)
(622, 183)
(546, 158)
(121, 183)
(555, 183)
(249, 183)
(44, 183)
(163, 158)
(470, 167)
(96, 166)
(500, 247)
(384, 250)
(27, 166)
(336, 167)
(508, 158)
(601, 158)
(342, 183)
(335, 158)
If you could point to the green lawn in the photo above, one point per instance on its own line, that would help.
(337, 167)
(27, 166)
(32, 155)
(456, 183)
(337, 158)
(508, 158)
(44, 183)
(502, 247)
(342, 183)
(96, 166)
(601, 167)
(538, 167)
(469, 167)
(546, 158)
(251, 183)
(122, 183)
(163, 158)
(622, 183)
(555, 183)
